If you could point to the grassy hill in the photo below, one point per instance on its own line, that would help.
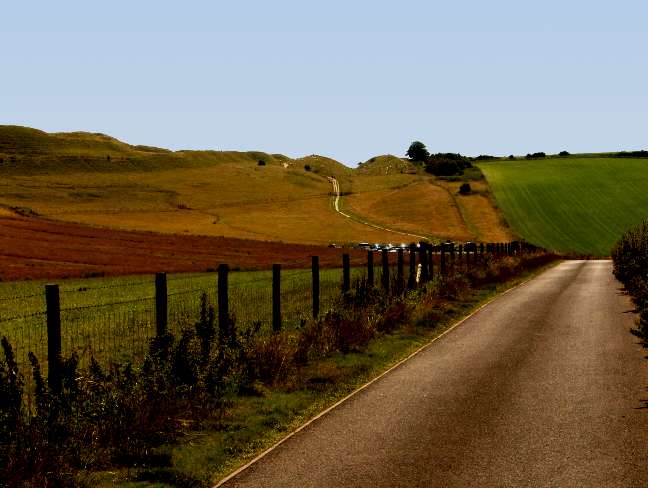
(580, 203)
(98, 180)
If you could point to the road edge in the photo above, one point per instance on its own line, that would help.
(377, 378)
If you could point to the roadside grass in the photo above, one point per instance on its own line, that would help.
(253, 424)
(571, 204)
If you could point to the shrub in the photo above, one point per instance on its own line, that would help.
(537, 155)
(447, 164)
(563, 153)
(511, 156)
(630, 256)
(261, 162)
(465, 189)
(307, 167)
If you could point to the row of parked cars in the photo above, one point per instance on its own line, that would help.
(467, 246)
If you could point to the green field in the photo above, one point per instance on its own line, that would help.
(579, 204)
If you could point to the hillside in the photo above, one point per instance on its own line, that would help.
(95, 179)
(576, 204)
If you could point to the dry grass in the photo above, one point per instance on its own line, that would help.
(94, 179)
(418, 208)
(481, 217)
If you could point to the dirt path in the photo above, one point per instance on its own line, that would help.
(544, 387)
(336, 203)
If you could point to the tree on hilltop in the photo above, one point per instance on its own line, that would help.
(418, 152)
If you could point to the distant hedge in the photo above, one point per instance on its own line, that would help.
(631, 154)
(447, 164)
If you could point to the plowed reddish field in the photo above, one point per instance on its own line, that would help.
(33, 248)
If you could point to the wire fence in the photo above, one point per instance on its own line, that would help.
(114, 323)
(113, 320)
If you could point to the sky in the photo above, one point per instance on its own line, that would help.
(346, 79)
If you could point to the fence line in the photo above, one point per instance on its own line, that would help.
(121, 331)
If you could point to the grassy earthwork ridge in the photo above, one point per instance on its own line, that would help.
(96, 179)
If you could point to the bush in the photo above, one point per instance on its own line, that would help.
(307, 167)
(511, 156)
(261, 162)
(465, 189)
(447, 164)
(563, 153)
(537, 155)
(630, 256)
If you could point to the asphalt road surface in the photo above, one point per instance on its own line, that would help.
(543, 387)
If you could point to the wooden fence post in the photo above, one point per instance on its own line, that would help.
(442, 260)
(346, 273)
(52, 299)
(223, 304)
(411, 279)
(161, 304)
(276, 297)
(400, 272)
(385, 270)
(370, 269)
(316, 285)
(423, 259)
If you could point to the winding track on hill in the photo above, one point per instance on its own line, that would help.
(542, 387)
(336, 204)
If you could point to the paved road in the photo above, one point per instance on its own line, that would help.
(541, 388)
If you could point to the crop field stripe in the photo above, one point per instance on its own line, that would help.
(574, 204)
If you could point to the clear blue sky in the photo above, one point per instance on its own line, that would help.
(347, 79)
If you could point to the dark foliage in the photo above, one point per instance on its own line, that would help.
(417, 152)
(465, 189)
(447, 164)
(537, 155)
(631, 154)
(563, 153)
(630, 256)
(307, 167)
